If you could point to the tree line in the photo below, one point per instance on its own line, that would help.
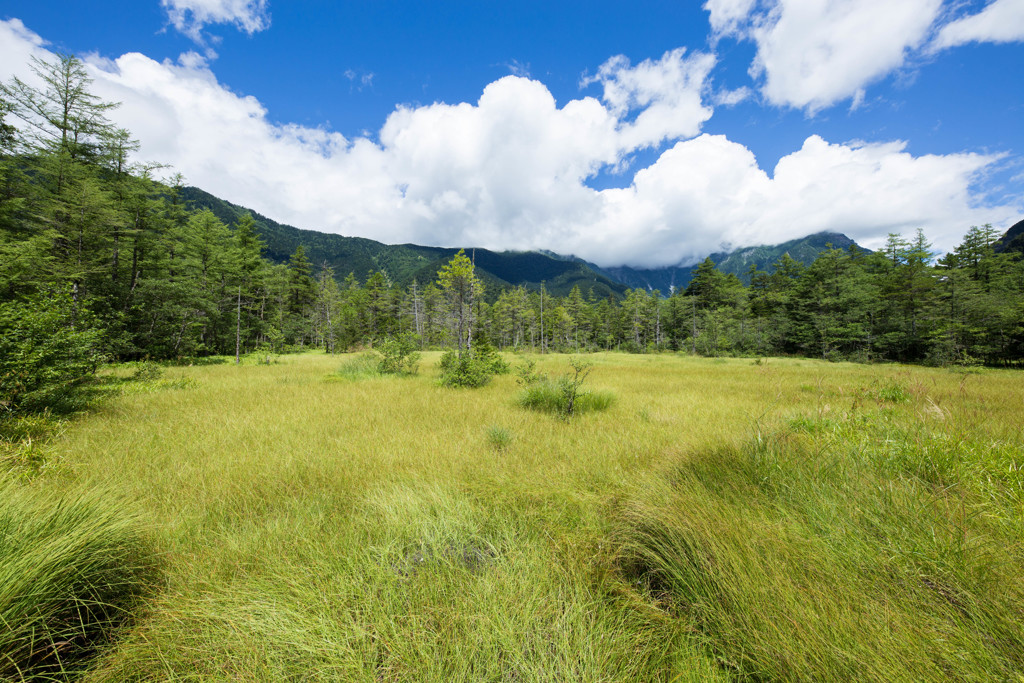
(895, 304)
(100, 260)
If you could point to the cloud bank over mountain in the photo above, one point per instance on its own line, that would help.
(515, 169)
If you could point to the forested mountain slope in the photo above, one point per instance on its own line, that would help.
(1012, 240)
(403, 263)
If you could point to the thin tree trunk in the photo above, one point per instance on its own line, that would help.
(238, 327)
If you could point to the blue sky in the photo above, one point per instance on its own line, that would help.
(646, 134)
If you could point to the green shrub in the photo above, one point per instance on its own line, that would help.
(147, 371)
(487, 356)
(473, 367)
(72, 572)
(399, 355)
(48, 347)
(263, 354)
(527, 372)
(463, 371)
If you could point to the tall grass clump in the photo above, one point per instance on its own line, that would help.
(562, 395)
(499, 438)
(25, 441)
(72, 572)
(360, 366)
(802, 557)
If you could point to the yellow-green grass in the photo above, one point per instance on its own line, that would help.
(782, 520)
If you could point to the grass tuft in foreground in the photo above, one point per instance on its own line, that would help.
(499, 438)
(72, 572)
(818, 555)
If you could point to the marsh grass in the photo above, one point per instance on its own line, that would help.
(550, 396)
(499, 438)
(73, 571)
(562, 395)
(360, 366)
(26, 443)
(719, 521)
(852, 548)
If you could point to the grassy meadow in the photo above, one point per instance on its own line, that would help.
(722, 519)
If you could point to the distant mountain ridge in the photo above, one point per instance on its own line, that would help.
(1013, 240)
(403, 263)
(737, 262)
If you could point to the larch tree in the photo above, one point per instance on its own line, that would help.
(461, 287)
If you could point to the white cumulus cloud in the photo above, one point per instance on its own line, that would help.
(1002, 21)
(18, 45)
(191, 16)
(707, 191)
(729, 17)
(812, 54)
(511, 170)
(666, 92)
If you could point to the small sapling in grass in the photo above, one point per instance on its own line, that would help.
(563, 395)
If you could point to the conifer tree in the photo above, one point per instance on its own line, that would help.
(461, 287)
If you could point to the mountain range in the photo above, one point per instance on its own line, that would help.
(403, 263)
(1013, 240)
(736, 262)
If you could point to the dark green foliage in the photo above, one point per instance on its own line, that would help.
(399, 355)
(1012, 240)
(72, 572)
(489, 358)
(48, 348)
(464, 370)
